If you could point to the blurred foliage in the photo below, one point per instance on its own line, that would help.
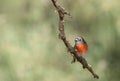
(30, 49)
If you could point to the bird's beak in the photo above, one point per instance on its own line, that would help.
(76, 40)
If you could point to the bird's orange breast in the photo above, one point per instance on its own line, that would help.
(82, 48)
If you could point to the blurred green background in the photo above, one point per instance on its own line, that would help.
(30, 49)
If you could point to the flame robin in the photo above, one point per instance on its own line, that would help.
(81, 46)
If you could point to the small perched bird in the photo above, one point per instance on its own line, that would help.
(81, 45)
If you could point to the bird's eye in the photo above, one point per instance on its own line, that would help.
(80, 39)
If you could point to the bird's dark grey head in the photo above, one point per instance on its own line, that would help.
(78, 39)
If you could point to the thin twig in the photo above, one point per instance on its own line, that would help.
(62, 12)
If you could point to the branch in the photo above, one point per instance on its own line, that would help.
(62, 12)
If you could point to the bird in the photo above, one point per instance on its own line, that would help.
(81, 45)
